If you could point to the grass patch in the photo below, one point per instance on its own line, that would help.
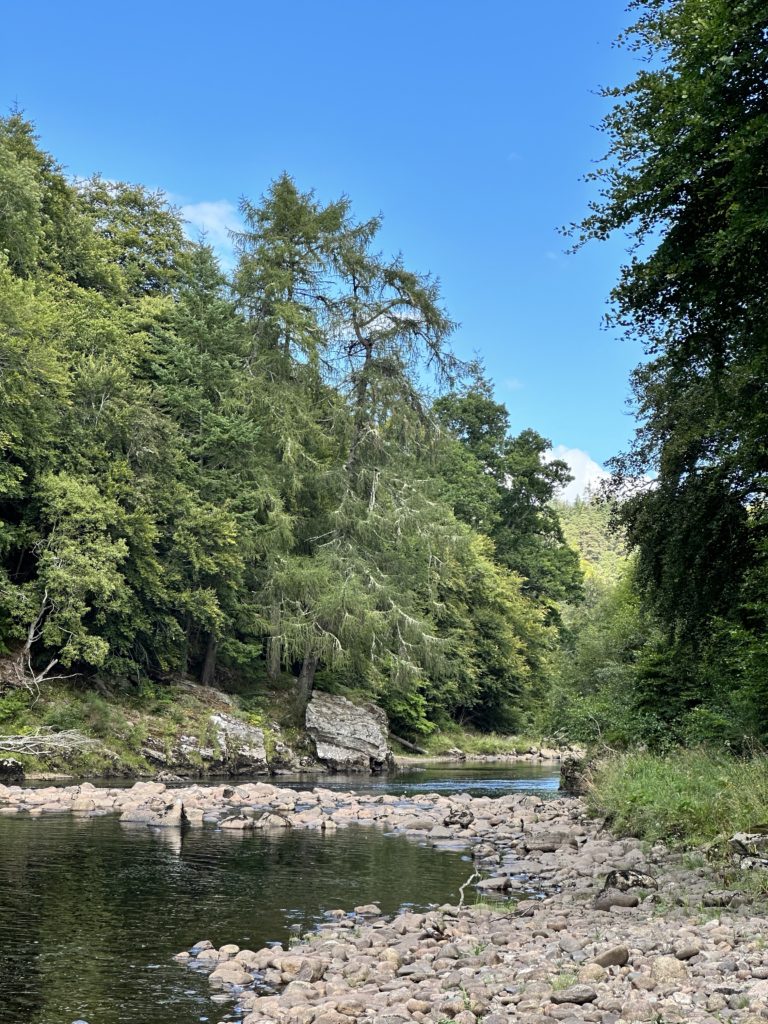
(443, 740)
(564, 980)
(686, 798)
(130, 722)
(502, 905)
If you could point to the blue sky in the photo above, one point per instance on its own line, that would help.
(467, 125)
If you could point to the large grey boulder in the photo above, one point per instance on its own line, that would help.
(348, 737)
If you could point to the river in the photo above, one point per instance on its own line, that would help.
(91, 910)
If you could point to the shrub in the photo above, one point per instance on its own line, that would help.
(688, 797)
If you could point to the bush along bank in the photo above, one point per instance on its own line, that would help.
(689, 797)
(182, 728)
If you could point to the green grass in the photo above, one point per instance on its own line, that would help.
(686, 798)
(443, 740)
(502, 905)
(564, 980)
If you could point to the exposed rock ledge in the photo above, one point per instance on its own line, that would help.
(231, 747)
(348, 737)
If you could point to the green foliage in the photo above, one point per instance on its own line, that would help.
(685, 178)
(244, 479)
(595, 696)
(689, 797)
(589, 528)
(504, 487)
(450, 736)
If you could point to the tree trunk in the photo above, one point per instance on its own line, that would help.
(208, 675)
(273, 646)
(184, 659)
(408, 745)
(306, 681)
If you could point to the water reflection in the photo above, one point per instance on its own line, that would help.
(91, 910)
(479, 779)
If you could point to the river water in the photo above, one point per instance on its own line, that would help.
(91, 910)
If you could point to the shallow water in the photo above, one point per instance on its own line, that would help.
(477, 778)
(91, 910)
(445, 777)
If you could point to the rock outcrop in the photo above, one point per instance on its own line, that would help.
(242, 746)
(11, 771)
(572, 771)
(347, 736)
(230, 747)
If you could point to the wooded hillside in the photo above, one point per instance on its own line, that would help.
(284, 469)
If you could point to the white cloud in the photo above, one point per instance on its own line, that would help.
(586, 472)
(216, 218)
(512, 384)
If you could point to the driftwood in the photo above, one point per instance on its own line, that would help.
(45, 741)
(408, 745)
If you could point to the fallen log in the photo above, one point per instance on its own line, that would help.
(408, 745)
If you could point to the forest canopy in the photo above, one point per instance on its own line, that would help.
(282, 470)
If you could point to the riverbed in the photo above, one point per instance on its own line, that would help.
(91, 909)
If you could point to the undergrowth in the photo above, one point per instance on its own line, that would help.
(455, 737)
(688, 797)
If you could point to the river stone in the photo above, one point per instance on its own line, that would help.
(592, 972)
(300, 968)
(273, 820)
(615, 898)
(459, 817)
(237, 822)
(548, 842)
(82, 805)
(347, 736)
(230, 973)
(639, 1010)
(161, 815)
(667, 970)
(720, 898)
(687, 952)
(211, 955)
(617, 956)
(498, 883)
(628, 879)
(578, 994)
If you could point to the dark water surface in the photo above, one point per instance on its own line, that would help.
(91, 910)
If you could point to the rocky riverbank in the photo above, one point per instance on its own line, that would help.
(662, 941)
(193, 731)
